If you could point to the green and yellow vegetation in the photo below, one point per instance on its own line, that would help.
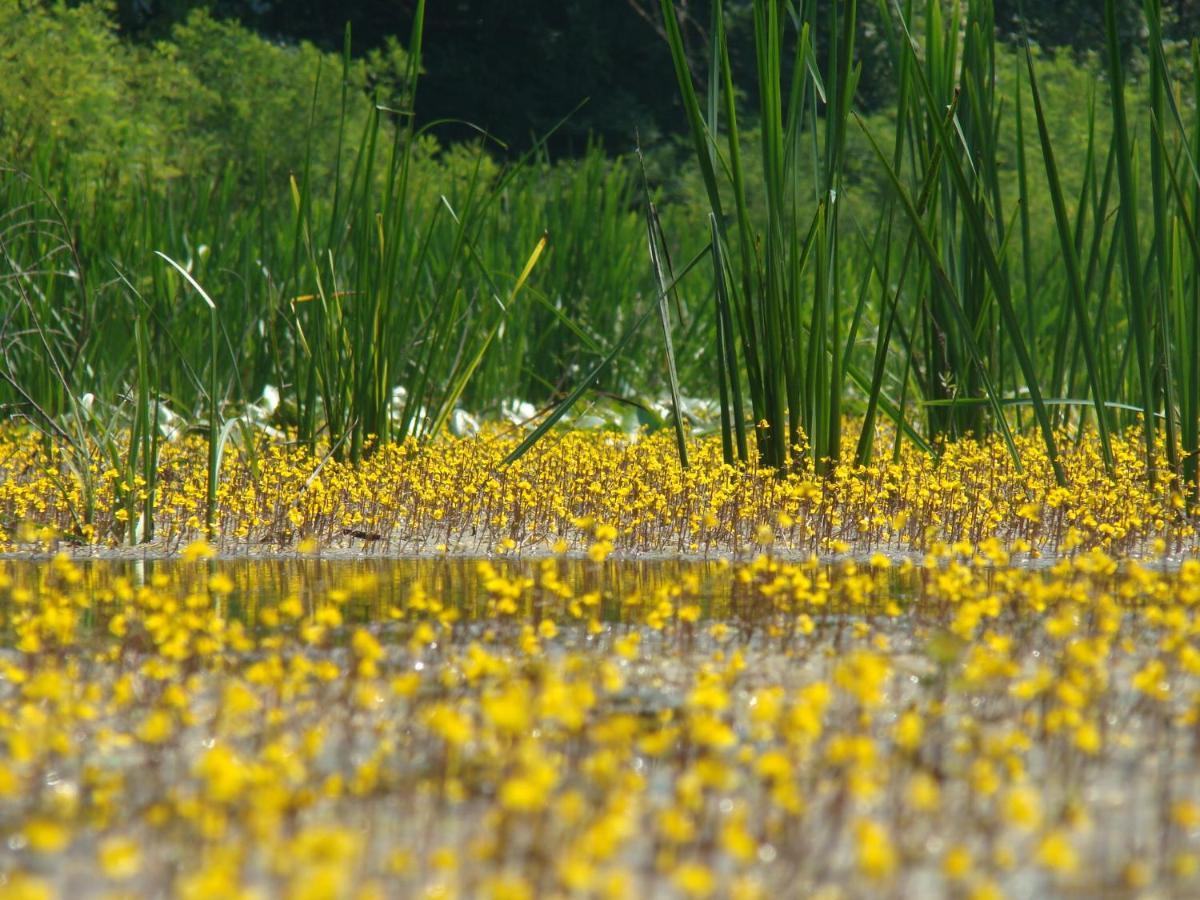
(457, 495)
(956, 726)
(808, 506)
(1009, 245)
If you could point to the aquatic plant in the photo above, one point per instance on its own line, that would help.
(222, 729)
(455, 494)
(971, 324)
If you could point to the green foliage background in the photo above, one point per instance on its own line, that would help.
(239, 152)
(76, 94)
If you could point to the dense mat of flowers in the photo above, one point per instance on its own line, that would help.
(456, 495)
(950, 727)
(880, 692)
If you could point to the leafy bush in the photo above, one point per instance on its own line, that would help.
(212, 95)
(68, 83)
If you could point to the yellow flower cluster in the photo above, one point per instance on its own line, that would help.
(949, 725)
(600, 493)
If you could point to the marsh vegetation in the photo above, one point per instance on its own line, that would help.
(802, 502)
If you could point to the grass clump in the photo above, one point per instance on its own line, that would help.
(974, 238)
(909, 264)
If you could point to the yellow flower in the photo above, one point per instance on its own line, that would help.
(220, 583)
(956, 864)
(864, 675)
(1022, 807)
(198, 549)
(923, 792)
(530, 790)
(1056, 853)
(1186, 814)
(693, 880)
(46, 835)
(449, 724)
(157, 727)
(909, 730)
(119, 858)
(600, 551)
(223, 773)
(1151, 680)
(22, 886)
(876, 853)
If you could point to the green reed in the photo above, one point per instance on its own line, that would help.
(1005, 284)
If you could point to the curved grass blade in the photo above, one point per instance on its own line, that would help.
(460, 382)
(947, 285)
(661, 262)
(215, 442)
(561, 410)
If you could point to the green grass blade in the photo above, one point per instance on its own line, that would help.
(947, 286)
(1070, 258)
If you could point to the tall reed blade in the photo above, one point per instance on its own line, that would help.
(779, 276)
(955, 307)
(1074, 279)
(733, 417)
(1139, 314)
(214, 411)
(975, 213)
(663, 275)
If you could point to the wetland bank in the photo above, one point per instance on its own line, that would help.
(803, 504)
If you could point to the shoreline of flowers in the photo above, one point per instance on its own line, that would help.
(454, 495)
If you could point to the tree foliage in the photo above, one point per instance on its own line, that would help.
(206, 94)
(515, 69)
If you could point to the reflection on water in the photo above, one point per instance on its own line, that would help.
(377, 588)
(382, 590)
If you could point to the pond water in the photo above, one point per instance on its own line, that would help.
(560, 727)
(378, 590)
(377, 584)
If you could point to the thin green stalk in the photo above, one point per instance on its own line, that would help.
(1139, 321)
(1074, 279)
